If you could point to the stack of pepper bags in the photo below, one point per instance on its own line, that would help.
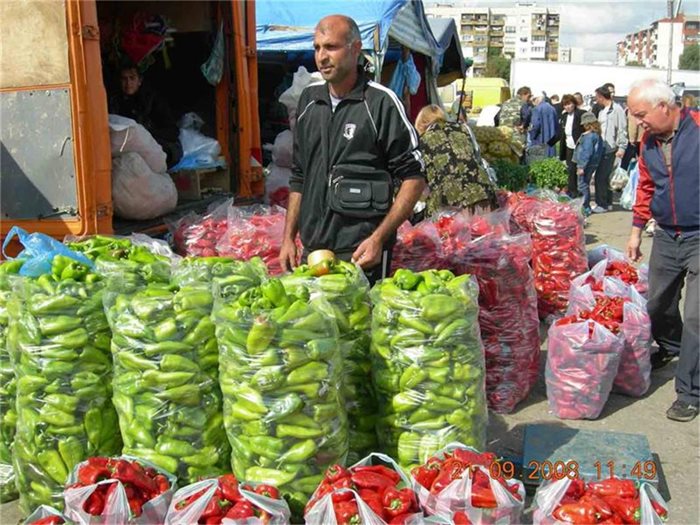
(417, 247)
(198, 236)
(507, 315)
(281, 376)
(428, 363)
(8, 414)
(166, 388)
(346, 289)
(59, 341)
(558, 248)
(255, 231)
(620, 267)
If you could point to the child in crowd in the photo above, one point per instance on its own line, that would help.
(589, 150)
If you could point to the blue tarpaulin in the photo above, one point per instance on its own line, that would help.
(289, 26)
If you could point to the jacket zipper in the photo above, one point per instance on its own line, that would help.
(672, 197)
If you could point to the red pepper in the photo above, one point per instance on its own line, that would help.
(90, 474)
(480, 479)
(451, 470)
(483, 498)
(576, 489)
(601, 506)
(621, 488)
(474, 458)
(371, 480)
(346, 513)
(241, 510)
(189, 499)
(48, 520)
(613, 520)
(95, 503)
(162, 483)
(461, 518)
(397, 502)
(229, 488)
(268, 491)
(336, 472)
(380, 469)
(373, 501)
(216, 507)
(132, 472)
(628, 509)
(400, 519)
(659, 509)
(577, 513)
(426, 474)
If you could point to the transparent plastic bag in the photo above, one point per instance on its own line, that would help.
(198, 150)
(277, 185)
(290, 98)
(166, 388)
(254, 231)
(278, 510)
(619, 179)
(629, 193)
(582, 363)
(346, 289)
(619, 266)
(8, 388)
(283, 149)
(116, 509)
(496, 222)
(455, 235)
(507, 315)
(198, 236)
(128, 136)
(281, 376)
(457, 496)
(550, 493)
(428, 364)
(59, 341)
(44, 511)
(138, 192)
(417, 247)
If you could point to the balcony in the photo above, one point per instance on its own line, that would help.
(496, 43)
(498, 21)
(475, 19)
(496, 32)
(553, 20)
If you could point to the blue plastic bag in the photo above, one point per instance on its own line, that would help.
(629, 194)
(39, 251)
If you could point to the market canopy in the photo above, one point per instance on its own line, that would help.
(453, 65)
(289, 26)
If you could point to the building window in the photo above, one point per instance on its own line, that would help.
(510, 29)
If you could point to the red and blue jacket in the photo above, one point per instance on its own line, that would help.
(672, 197)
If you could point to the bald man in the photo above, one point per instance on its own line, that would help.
(352, 143)
(669, 191)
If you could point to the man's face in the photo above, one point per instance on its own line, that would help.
(525, 97)
(569, 107)
(653, 118)
(131, 82)
(335, 57)
(600, 99)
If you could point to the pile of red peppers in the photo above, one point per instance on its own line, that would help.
(48, 520)
(378, 487)
(417, 247)
(611, 501)
(437, 474)
(227, 502)
(141, 484)
(608, 312)
(198, 236)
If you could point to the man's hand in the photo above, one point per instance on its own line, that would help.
(634, 244)
(288, 255)
(579, 172)
(368, 253)
(620, 153)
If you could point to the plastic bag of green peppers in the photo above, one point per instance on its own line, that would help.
(346, 289)
(59, 342)
(8, 414)
(428, 364)
(281, 376)
(166, 388)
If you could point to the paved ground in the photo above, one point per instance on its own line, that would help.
(676, 444)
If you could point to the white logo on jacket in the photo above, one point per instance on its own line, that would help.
(349, 131)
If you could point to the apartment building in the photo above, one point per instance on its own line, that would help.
(523, 32)
(648, 47)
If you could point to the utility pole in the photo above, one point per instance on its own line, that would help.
(672, 16)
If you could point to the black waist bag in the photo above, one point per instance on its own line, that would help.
(362, 192)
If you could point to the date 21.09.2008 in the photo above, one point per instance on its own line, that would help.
(556, 470)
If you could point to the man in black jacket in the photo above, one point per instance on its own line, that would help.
(354, 129)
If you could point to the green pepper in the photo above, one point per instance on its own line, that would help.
(53, 465)
(409, 445)
(165, 347)
(58, 324)
(269, 476)
(405, 401)
(71, 451)
(302, 420)
(411, 377)
(298, 432)
(187, 395)
(165, 330)
(299, 452)
(314, 371)
(266, 446)
(406, 279)
(283, 407)
(178, 363)
(273, 290)
(133, 362)
(268, 378)
(452, 330)
(436, 307)
(174, 447)
(416, 324)
(152, 378)
(261, 334)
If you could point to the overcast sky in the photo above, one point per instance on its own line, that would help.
(596, 25)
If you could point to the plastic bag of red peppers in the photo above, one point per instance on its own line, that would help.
(455, 235)
(223, 501)
(255, 231)
(374, 491)
(124, 489)
(608, 501)
(198, 236)
(463, 485)
(558, 243)
(417, 248)
(634, 373)
(620, 267)
(507, 314)
(45, 515)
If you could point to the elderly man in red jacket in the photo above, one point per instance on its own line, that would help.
(669, 191)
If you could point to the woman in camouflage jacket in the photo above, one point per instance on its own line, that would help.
(456, 176)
